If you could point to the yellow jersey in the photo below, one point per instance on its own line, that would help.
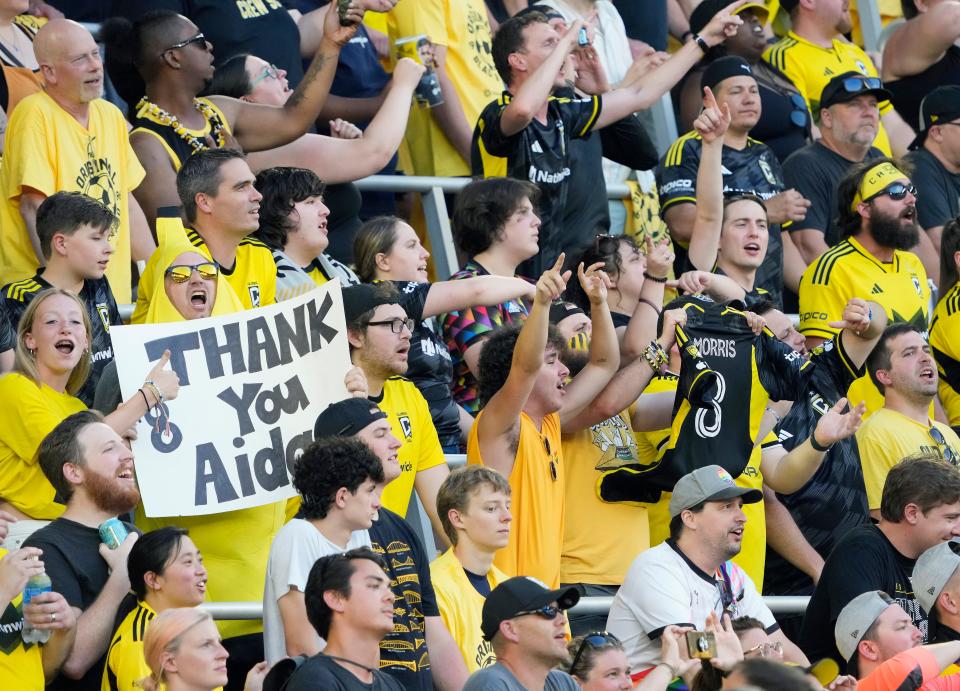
(461, 608)
(20, 665)
(420, 449)
(846, 271)
(946, 351)
(888, 437)
(537, 497)
(810, 67)
(125, 662)
(48, 150)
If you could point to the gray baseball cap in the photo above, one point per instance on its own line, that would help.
(858, 616)
(710, 483)
(932, 571)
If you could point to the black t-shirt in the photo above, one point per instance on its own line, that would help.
(909, 91)
(863, 560)
(838, 481)
(775, 128)
(71, 557)
(429, 364)
(539, 153)
(101, 309)
(320, 672)
(753, 169)
(939, 199)
(815, 172)
(403, 653)
(645, 20)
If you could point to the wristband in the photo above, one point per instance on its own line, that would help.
(650, 303)
(775, 414)
(816, 445)
(673, 672)
(656, 357)
(685, 35)
(655, 279)
(145, 399)
(701, 42)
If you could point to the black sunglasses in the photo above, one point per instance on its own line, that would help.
(945, 450)
(553, 459)
(897, 191)
(597, 639)
(547, 612)
(199, 38)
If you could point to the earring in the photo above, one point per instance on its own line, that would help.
(33, 352)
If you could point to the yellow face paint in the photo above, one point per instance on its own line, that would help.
(876, 180)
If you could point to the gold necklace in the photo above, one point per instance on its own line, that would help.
(148, 107)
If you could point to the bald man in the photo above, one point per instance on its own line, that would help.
(67, 138)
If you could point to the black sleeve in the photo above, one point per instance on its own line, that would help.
(628, 143)
(413, 298)
(781, 369)
(580, 114)
(831, 357)
(933, 207)
(134, 9)
(61, 571)
(489, 133)
(800, 174)
(677, 173)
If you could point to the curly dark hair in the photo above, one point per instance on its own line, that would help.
(497, 356)
(606, 249)
(329, 464)
(483, 208)
(848, 220)
(282, 187)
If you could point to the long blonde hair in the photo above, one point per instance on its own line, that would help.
(25, 360)
(164, 635)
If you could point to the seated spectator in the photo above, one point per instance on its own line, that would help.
(690, 576)
(183, 652)
(339, 481)
(166, 571)
(350, 605)
(68, 139)
(89, 465)
(943, 341)
(19, 68)
(52, 362)
(379, 333)
(877, 219)
(293, 224)
(814, 50)
(505, 139)
(74, 234)
(420, 648)
(387, 249)
(784, 123)
(525, 625)
(754, 169)
(221, 204)
(526, 399)
(755, 640)
(936, 166)
(936, 585)
(27, 666)
(849, 119)
(919, 56)
(474, 507)
(882, 647)
(902, 367)
(920, 508)
(496, 226)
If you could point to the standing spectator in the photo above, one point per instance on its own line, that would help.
(814, 50)
(339, 481)
(849, 118)
(902, 367)
(946, 318)
(474, 506)
(74, 234)
(19, 69)
(920, 508)
(877, 219)
(524, 623)
(89, 465)
(935, 158)
(67, 138)
(937, 586)
(350, 605)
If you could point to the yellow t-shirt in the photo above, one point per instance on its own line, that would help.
(945, 342)
(847, 271)
(461, 607)
(460, 26)
(28, 413)
(21, 667)
(125, 662)
(537, 500)
(420, 449)
(887, 438)
(48, 150)
(593, 552)
(810, 67)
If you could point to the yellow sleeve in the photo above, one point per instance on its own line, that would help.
(879, 452)
(945, 341)
(782, 56)
(34, 419)
(420, 17)
(822, 300)
(127, 666)
(28, 160)
(430, 453)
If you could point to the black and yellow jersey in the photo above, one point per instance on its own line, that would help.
(177, 148)
(125, 664)
(945, 343)
(253, 275)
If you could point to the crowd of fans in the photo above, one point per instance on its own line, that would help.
(643, 416)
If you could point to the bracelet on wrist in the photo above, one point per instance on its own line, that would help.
(656, 357)
(655, 279)
(817, 446)
(674, 673)
(775, 414)
(701, 42)
(651, 305)
(146, 402)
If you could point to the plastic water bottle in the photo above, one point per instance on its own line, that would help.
(37, 584)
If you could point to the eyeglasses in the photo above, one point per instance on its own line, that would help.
(396, 325)
(854, 85)
(945, 450)
(199, 38)
(798, 116)
(181, 273)
(271, 71)
(765, 649)
(597, 639)
(553, 459)
(896, 191)
(547, 612)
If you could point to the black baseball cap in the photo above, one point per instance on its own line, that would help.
(724, 68)
(347, 417)
(521, 594)
(940, 105)
(561, 309)
(706, 10)
(847, 86)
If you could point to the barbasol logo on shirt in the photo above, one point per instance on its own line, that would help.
(542, 176)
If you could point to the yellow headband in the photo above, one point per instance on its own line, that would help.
(875, 180)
